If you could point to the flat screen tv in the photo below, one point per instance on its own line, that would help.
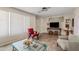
(54, 24)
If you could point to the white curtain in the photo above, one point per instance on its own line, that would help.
(4, 23)
(27, 23)
(13, 23)
(16, 24)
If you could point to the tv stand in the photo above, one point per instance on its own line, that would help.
(54, 31)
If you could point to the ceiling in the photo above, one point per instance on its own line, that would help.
(53, 11)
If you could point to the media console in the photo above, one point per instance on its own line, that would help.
(54, 31)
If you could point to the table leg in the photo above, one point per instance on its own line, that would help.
(13, 49)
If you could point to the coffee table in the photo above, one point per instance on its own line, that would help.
(20, 46)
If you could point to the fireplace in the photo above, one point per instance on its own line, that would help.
(54, 24)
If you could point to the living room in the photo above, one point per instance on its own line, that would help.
(55, 25)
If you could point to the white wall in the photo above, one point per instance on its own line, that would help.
(44, 25)
(76, 22)
(41, 23)
(38, 24)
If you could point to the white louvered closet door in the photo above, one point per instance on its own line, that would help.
(16, 24)
(4, 23)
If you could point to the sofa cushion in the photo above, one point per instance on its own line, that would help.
(73, 37)
(72, 44)
(63, 43)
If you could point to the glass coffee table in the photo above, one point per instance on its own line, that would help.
(35, 46)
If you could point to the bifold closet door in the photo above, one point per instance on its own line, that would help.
(4, 23)
(16, 24)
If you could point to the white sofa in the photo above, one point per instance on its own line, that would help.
(72, 44)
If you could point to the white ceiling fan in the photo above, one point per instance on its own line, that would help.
(43, 9)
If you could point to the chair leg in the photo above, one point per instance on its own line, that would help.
(29, 36)
(57, 45)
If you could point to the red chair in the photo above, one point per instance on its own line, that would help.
(32, 33)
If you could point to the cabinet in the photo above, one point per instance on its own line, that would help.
(68, 27)
(54, 31)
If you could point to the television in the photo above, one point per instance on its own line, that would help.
(54, 24)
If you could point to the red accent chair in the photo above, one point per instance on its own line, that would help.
(32, 33)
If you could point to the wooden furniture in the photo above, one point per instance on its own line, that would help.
(50, 33)
(54, 31)
(67, 30)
